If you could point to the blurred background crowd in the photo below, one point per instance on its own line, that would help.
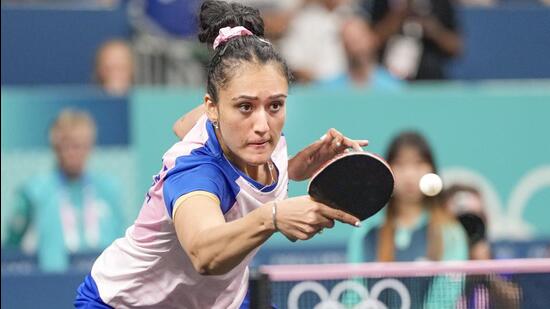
(90, 90)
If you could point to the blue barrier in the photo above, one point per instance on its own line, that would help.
(24, 286)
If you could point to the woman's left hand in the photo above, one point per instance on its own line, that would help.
(310, 159)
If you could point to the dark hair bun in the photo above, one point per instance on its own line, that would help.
(215, 15)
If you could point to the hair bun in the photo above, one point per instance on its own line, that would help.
(215, 15)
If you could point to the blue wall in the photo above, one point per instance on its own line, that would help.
(55, 46)
(52, 46)
(505, 42)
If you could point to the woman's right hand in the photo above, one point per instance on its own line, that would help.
(302, 218)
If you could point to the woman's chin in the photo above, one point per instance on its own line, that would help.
(257, 159)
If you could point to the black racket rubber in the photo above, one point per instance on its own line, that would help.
(357, 183)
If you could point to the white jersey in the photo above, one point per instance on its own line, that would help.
(148, 267)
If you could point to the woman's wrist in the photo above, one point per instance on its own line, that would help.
(274, 215)
(268, 216)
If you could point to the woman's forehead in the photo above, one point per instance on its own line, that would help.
(256, 80)
(409, 152)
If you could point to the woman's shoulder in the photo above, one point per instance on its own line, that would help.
(197, 146)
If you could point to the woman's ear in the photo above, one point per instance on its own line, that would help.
(211, 108)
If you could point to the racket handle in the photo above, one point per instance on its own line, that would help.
(291, 239)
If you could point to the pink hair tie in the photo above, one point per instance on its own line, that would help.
(227, 33)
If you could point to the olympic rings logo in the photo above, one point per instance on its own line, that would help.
(331, 300)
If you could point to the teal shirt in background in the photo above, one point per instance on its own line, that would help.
(410, 245)
(50, 205)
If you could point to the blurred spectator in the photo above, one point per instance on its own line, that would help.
(164, 42)
(478, 2)
(418, 36)
(312, 44)
(416, 227)
(68, 210)
(277, 15)
(466, 204)
(480, 291)
(360, 45)
(114, 67)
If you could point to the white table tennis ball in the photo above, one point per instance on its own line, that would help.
(430, 184)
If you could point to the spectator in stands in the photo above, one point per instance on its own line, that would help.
(114, 67)
(416, 227)
(277, 15)
(480, 291)
(418, 36)
(360, 45)
(486, 3)
(413, 226)
(312, 43)
(466, 204)
(68, 210)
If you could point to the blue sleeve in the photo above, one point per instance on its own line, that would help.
(205, 177)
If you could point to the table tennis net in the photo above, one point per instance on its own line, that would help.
(473, 284)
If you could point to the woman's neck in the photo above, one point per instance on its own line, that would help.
(408, 212)
(264, 173)
(70, 177)
(360, 71)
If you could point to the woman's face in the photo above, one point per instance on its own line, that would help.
(115, 69)
(250, 113)
(408, 167)
(72, 150)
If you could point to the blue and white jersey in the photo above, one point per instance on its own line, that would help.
(148, 267)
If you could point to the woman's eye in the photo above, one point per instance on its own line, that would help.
(245, 107)
(276, 106)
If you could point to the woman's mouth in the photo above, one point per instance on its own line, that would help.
(259, 144)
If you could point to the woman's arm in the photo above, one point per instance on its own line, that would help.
(215, 246)
(183, 125)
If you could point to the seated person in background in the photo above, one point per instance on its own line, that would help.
(480, 291)
(360, 44)
(68, 210)
(485, 3)
(114, 67)
(277, 15)
(311, 44)
(466, 204)
(416, 227)
(417, 37)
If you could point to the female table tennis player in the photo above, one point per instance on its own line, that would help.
(221, 191)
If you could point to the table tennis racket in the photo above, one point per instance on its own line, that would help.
(357, 182)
